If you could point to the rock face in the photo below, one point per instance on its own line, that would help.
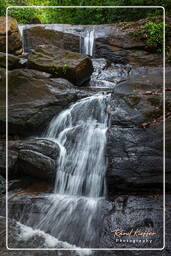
(34, 98)
(14, 38)
(135, 138)
(38, 35)
(75, 67)
(125, 43)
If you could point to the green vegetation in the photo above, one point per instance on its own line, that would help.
(83, 16)
(154, 33)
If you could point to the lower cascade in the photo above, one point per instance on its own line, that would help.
(74, 212)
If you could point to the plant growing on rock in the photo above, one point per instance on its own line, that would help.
(154, 34)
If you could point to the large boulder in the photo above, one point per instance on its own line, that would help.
(38, 35)
(14, 37)
(126, 43)
(75, 67)
(33, 99)
(36, 158)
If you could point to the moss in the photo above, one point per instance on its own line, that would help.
(132, 100)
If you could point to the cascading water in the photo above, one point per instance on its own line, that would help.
(74, 212)
(89, 42)
(80, 132)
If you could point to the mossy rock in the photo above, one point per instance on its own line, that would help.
(76, 68)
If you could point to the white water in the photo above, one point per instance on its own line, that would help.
(80, 131)
(27, 233)
(89, 40)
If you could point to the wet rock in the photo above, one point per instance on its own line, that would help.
(126, 44)
(38, 35)
(106, 49)
(37, 158)
(134, 151)
(14, 37)
(75, 67)
(34, 98)
(136, 161)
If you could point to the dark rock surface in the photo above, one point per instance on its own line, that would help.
(35, 158)
(106, 48)
(34, 98)
(133, 213)
(75, 67)
(38, 158)
(135, 160)
(135, 138)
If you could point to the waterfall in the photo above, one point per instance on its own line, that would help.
(80, 132)
(87, 35)
(25, 40)
(89, 42)
(75, 213)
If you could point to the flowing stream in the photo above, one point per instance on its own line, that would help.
(74, 212)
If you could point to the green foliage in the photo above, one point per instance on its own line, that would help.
(154, 33)
(83, 15)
